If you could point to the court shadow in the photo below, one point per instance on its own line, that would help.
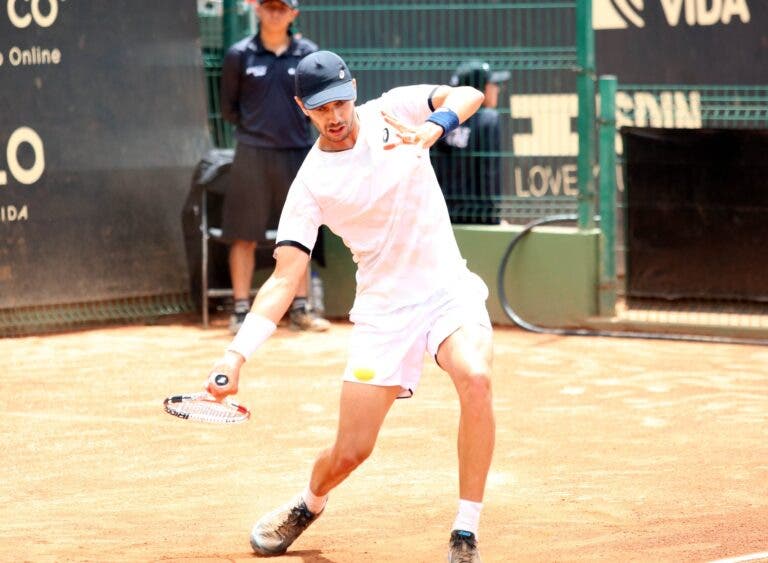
(310, 556)
(305, 556)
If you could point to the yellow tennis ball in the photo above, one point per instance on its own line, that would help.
(364, 374)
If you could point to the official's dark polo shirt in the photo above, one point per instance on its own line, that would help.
(468, 168)
(257, 89)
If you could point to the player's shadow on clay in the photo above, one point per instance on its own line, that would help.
(305, 555)
(310, 556)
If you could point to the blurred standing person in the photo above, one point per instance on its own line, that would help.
(273, 137)
(471, 182)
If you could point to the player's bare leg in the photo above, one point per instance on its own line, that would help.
(467, 356)
(361, 414)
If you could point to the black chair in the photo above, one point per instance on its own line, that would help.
(212, 234)
(207, 251)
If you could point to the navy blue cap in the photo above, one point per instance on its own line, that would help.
(477, 74)
(323, 77)
(292, 4)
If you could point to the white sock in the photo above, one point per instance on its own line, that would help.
(314, 503)
(468, 517)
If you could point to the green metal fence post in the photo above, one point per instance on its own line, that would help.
(585, 85)
(607, 160)
(230, 29)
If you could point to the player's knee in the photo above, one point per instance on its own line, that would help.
(474, 386)
(349, 458)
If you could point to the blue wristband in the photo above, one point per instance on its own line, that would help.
(445, 118)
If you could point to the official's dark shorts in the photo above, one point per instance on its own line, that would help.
(259, 182)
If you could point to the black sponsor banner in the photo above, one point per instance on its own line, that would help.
(682, 41)
(697, 210)
(102, 120)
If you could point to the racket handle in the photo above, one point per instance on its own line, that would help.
(221, 380)
(220, 383)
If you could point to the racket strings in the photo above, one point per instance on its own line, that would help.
(208, 411)
(204, 409)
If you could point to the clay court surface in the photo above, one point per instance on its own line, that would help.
(607, 450)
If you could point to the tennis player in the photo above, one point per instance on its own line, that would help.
(369, 179)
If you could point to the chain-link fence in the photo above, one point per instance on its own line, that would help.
(214, 38)
(397, 43)
(681, 106)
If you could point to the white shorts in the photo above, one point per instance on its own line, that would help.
(388, 350)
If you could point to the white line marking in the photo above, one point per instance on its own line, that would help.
(740, 558)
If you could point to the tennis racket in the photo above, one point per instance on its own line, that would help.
(203, 407)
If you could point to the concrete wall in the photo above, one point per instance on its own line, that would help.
(551, 278)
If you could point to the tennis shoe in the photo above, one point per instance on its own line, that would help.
(463, 548)
(303, 319)
(275, 532)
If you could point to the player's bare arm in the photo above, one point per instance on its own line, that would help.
(270, 305)
(463, 101)
(276, 294)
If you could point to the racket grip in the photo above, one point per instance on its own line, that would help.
(220, 380)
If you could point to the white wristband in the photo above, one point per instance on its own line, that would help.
(253, 333)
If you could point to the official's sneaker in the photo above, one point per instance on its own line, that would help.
(303, 319)
(463, 548)
(276, 531)
(236, 321)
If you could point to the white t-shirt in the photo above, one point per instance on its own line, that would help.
(385, 205)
